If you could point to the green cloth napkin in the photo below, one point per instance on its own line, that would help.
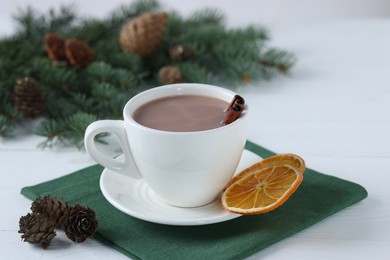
(318, 197)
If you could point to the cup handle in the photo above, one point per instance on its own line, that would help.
(116, 127)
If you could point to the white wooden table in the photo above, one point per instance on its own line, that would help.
(333, 110)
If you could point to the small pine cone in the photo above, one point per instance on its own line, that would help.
(56, 210)
(55, 47)
(28, 97)
(79, 54)
(169, 75)
(36, 228)
(143, 34)
(81, 223)
(181, 52)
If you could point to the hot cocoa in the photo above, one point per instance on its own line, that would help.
(182, 113)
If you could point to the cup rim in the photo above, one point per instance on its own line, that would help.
(178, 89)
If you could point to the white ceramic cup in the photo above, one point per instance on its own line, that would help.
(185, 169)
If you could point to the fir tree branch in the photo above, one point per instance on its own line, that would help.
(6, 127)
(276, 60)
(67, 132)
(205, 17)
(74, 97)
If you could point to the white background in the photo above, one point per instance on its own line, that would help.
(333, 109)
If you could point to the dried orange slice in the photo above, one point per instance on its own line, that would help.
(281, 159)
(262, 191)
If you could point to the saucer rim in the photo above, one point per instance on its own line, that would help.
(224, 216)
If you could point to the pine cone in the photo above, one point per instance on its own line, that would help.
(53, 208)
(55, 47)
(28, 97)
(181, 52)
(36, 228)
(81, 223)
(169, 75)
(143, 34)
(79, 54)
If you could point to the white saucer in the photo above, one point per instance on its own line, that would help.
(135, 198)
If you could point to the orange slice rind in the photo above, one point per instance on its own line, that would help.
(262, 190)
(290, 159)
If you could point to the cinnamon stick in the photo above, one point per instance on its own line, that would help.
(235, 109)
